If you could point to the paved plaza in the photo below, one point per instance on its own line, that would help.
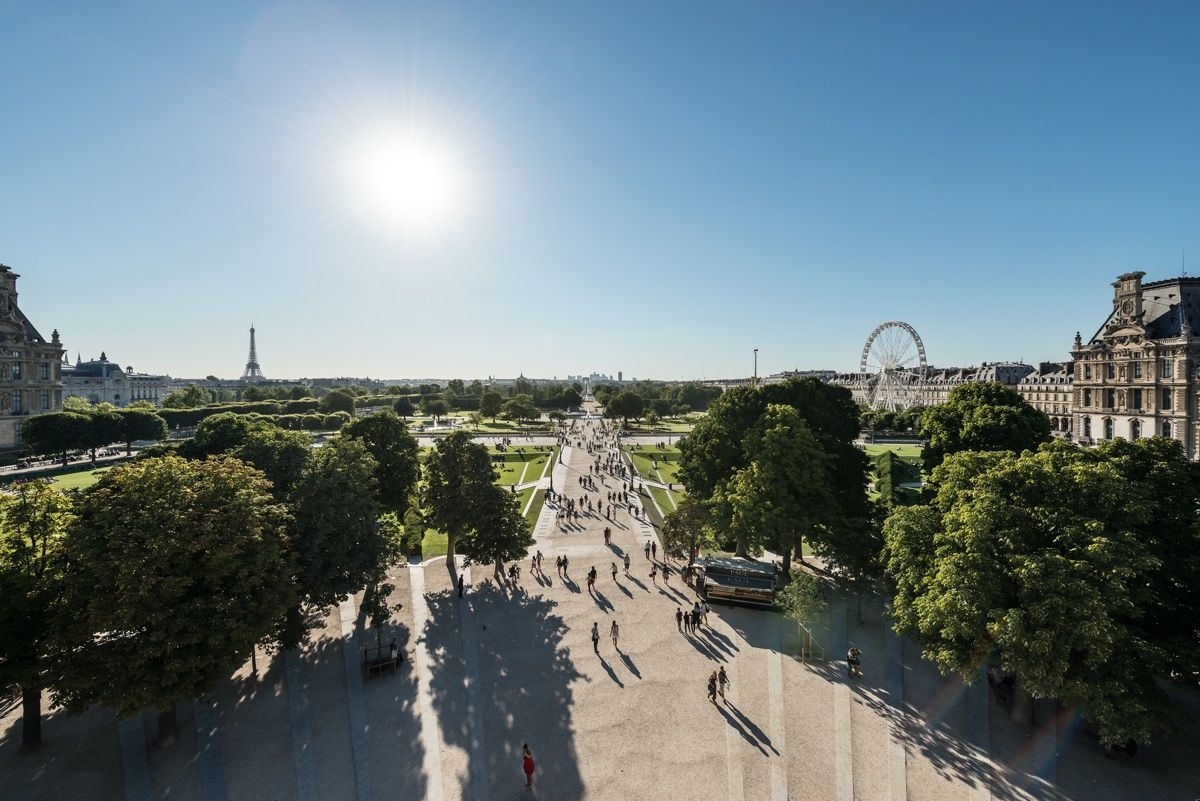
(507, 665)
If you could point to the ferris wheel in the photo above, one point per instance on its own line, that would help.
(890, 362)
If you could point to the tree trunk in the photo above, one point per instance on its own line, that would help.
(860, 615)
(31, 718)
(129, 448)
(1022, 704)
(800, 546)
(499, 572)
(787, 563)
(166, 727)
(450, 555)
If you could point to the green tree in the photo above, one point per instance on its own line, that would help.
(783, 493)
(339, 400)
(521, 409)
(140, 424)
(103, 428)
(178, 568)
(717, 450)
(458, 489)
(688, 527)
(984, 416)
(189, 397)
(337, 546)
(500, 533)
(221, 433)
(396, 455)
(652, 418)
(34, 519)
(404, 407)
(435, 406)
(625, 405)
(281, 455)
(456, 386)
(54, 434)
(490, 404)
(1073, 569)
(74, 403)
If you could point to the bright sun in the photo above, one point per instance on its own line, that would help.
(409, 182)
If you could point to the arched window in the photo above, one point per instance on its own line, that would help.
(1166, 429)
(1108, 428)
(1087, 427)
(1135, 429)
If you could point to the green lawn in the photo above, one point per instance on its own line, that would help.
(668, 463)
(79, 480)
(670, 425)
(434, 544)
(909, 453)
(521, 468)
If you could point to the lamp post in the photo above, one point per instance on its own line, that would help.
(756, 367)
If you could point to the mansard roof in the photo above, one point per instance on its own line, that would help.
(1164, 306)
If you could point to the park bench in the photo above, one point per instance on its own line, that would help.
(377, 661)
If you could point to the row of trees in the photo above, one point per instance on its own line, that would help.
(1073, 569)
(665, 399)
(61, 433)
(153, 585)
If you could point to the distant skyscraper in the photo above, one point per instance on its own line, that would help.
(253, 372)
(619, 374)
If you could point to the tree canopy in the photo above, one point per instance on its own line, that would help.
(738, 434)
(34, 519)
(404, 406)
(625, 405)
(459, 495)
(339, 400)
(490, 404)
(336, 543)
(396, 455)
(177, 568)
(982, 416)
(1074, 569)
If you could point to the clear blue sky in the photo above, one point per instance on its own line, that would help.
(656, 188)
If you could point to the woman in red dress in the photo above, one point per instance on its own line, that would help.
(527, 766)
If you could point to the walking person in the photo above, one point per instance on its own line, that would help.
(596, 637)
(647, 549)
(627, 564)
(654, 574)
(722, 681)
(460, 586)
(712, 687)
(704, 611)
(613, 631)
(654, 549)
(527, 766)
(679, 618)
(614, 571)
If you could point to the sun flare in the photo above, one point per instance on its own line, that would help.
(409, 182)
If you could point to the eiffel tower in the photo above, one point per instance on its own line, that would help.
(252, 371)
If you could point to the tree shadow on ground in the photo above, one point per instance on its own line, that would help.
(522, 684)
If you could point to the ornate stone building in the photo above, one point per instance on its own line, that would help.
(102, 381)
(30, 369)
(1136, 376)
(1048, 389)
(929, 386)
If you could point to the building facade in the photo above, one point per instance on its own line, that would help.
(96, 380)
(1136, 376)
(30, 367)
(929, 386)
(1048, 389)
(102, 381)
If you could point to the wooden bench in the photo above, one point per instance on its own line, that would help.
(377, 661)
